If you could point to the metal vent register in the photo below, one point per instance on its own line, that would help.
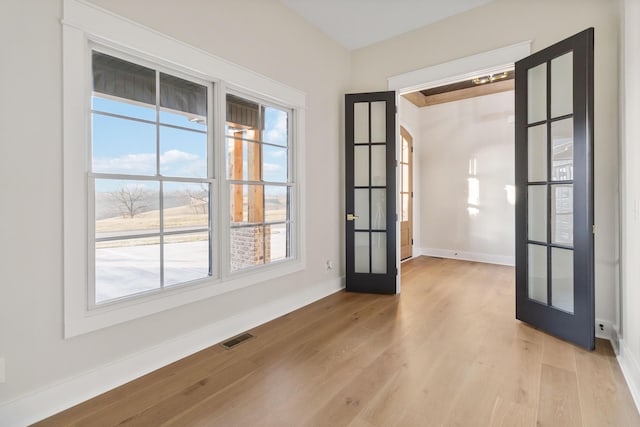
(237, 340)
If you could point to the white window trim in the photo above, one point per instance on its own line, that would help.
(83, 24)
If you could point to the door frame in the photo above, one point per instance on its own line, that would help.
(405, 134)
(465, 68)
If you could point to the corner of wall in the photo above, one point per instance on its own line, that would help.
(631, 371)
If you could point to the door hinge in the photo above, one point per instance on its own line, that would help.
(412, 194)
(412, 241)
(593, 229)
(396, 216)
(412, 149)
(396, 109)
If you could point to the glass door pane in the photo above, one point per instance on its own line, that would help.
(537, 148)
(537, 93)
(562, 85)
(562, 279)
(538, 273)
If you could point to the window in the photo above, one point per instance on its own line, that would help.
(258, 173)
(151, 179)
(146, 187)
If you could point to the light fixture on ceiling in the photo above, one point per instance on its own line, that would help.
(490, 78)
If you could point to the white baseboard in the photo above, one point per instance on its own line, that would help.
(605, 330)
(468, 256)
(43, 403)
(631, 371)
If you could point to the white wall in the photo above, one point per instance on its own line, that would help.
(254, 34)
(455, 137)
(630, 208)
(506, 22)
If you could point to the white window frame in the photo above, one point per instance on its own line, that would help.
(85, 25)
(292, 172)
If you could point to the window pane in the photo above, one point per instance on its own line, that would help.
(124, 107)
(185, 206)
(537, 271)
(562, 85)
(537, 93)
(562, 279)
(405, 178)
(562, 214)
(185, 120)
(249, 134)
(275, 126)
(126, 267)
(242, 113)
(126, 208)
(247, 247)
(378, 209)
(276, 243)
(361, 166)
(118, 78)
(405, 207)
(537, 153)
(537, 219)
(276, 203)
(405, 150)
(183, 95)
(379, 253)
(243, 160)
(186, 257)
(183, 153)
(275, 164)
(379, 121)
(247, 204)
(123, 146)
(562, 146)
(361, 248)
(379, 165)
(361, 122)
(361, 208)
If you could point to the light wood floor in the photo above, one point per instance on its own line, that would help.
(447, 351)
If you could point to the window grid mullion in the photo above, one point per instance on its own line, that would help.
(161, 183)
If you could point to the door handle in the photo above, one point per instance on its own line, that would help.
(352, 217)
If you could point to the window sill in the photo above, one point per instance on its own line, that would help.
(78, 322)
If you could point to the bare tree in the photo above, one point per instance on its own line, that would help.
(131, 200)
(198, 199)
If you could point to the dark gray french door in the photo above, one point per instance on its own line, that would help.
(370, 171)
(554, 182)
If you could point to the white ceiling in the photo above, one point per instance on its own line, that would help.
(358, 23)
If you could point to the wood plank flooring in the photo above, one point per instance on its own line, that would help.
(446, 352)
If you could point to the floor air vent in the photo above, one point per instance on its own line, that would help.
(236, 340)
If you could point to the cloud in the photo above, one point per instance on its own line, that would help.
(173, 163)
(270, 167)
(176, 156)
(276, 124)
(138, 163)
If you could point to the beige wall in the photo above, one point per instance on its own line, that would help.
(630, 202)
(544, 22)
(268, 38)
(254, 34)
(477, 130)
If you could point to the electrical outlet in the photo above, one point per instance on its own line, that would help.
(3, 377)
(329, 265)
